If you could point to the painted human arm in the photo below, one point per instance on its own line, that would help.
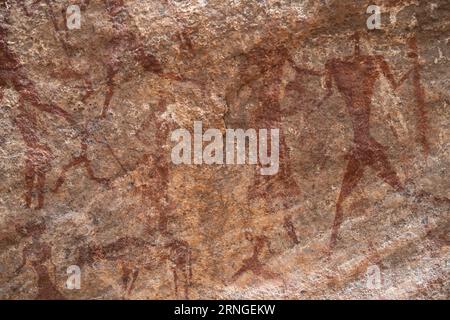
(303, 70)
(386, 70)
(296, 85)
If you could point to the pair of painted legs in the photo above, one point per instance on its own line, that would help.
(368, 156)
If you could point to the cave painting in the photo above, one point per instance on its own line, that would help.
(177, 253)
(288, 225)
(124, 41)
(253, 263)
(261, 72)
(127, 40)
(180, 255)
(155, 190)
(13, 75)
(61, 36)
(354, 77)
(116, 251)
(38, 155)
(38, 256)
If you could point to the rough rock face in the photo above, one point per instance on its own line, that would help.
(359, 207)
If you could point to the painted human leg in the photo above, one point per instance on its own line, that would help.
(353, 174)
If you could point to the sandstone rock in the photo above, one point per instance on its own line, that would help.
(358, 209)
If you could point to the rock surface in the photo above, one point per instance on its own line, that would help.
(360, 205)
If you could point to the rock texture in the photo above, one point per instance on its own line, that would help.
(86, 177)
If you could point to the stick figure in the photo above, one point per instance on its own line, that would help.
(253, 263)
(38, 155)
